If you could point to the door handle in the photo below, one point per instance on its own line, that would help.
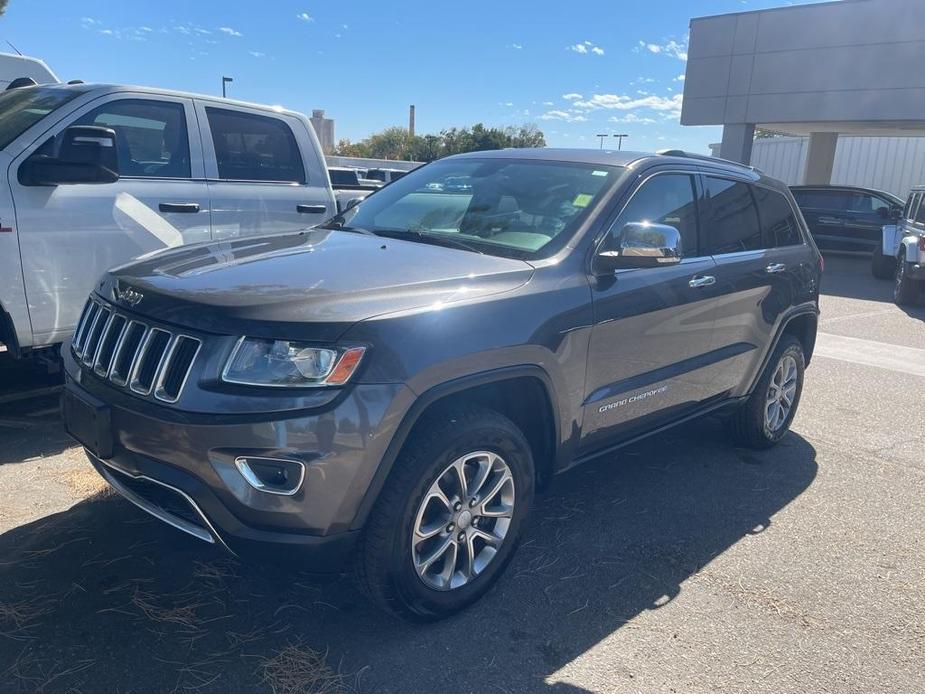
(311, 209)
(774, 268)
(186, 207)
(830, 220)
(702, 281)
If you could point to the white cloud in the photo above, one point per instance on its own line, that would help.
(670, 48)
(306, 17)
(230, 31)
(564, 116)
(679, 78)
(548, 103)
(585, 47)
(632, 118)
(517, 46)
(258, 54)
(89, 21)
(572, 96)
(621, 102)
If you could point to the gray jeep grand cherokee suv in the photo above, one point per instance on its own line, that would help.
(394, 385)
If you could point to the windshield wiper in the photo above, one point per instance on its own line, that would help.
(435, 239)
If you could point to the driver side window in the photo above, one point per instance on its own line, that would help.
(664, 199)
(151, 136)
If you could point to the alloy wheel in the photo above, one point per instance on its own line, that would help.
(462, 521)
(782, 392)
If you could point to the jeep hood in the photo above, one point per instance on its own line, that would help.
(311, 285)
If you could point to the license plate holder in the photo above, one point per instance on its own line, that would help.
(89, 421)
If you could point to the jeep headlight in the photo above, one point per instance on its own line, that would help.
(285, 364)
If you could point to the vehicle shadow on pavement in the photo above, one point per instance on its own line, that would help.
(103, 598)
(849, 277)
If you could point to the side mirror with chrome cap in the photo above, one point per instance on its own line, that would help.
(641, 245)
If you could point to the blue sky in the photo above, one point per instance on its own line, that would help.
(574, 69)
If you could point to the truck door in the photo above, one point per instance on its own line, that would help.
(70, 234)
(260, 179)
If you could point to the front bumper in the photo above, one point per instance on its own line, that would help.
(180, 467)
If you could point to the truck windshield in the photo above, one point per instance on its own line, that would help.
(519, 208)
(22, 108)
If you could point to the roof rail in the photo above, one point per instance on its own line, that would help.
(703, 157)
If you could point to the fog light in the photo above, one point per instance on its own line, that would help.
(271, 475)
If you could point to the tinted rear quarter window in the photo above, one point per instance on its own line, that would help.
(250, 147)
(778, 222)
(732, 220)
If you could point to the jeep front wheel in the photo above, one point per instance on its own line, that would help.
(450, 516)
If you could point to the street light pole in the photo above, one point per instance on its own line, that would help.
(602, 136)
(620, 139)
(225, 80)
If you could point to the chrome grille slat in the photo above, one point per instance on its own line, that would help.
(158, 363)
(94, 338)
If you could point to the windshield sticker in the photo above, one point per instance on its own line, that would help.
(598, 173)
(582, 200)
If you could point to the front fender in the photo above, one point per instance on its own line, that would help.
(912, 250)
(890, 242)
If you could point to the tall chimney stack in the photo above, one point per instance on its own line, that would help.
(411, 121)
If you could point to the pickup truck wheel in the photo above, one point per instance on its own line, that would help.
(883, 267)
(905, 289)
(450, 516)
(766, 416)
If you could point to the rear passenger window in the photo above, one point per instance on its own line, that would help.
(249, 147)
(778, 222)
(732, 224)
(665, 199)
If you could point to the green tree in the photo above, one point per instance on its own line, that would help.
(397, 143)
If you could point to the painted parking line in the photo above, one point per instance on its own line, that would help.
(907, 360)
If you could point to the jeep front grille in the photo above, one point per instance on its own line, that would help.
(130, 353)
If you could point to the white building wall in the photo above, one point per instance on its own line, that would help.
(893, 164)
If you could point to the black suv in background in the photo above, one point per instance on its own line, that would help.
(393, 385)
(845, 218)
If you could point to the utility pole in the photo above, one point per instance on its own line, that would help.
(602, 136)
(620, 139)
(411, 121)
(226, 80)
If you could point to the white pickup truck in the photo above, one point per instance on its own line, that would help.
(95, 175)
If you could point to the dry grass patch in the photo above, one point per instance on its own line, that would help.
(85, 481)
(298, 669)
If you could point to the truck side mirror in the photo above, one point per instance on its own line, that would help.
(641, 245)
(87, 154)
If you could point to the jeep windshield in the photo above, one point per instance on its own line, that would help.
(22, 108)
(509, 207)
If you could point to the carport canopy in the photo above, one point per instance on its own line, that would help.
(847, 67)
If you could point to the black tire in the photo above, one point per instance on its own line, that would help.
(905, 289)
(883, 267)
(384, 567)
(748, 424)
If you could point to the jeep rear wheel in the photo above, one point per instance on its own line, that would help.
(450, 516)
(766, 416)
(905, 289)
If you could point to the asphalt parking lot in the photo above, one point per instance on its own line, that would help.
(683, 565)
